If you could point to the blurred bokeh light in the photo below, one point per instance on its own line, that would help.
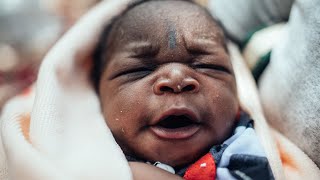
(27, 31)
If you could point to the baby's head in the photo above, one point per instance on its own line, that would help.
(167, 87)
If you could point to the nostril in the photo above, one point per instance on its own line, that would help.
(166, 89)
(189, 87)
(178, 84)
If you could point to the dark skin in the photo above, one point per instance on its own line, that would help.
(160, 68)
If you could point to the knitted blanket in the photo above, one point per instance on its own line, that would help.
(56, 130)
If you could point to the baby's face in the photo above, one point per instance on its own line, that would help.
(168, 91)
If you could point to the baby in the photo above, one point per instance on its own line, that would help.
(168, 91)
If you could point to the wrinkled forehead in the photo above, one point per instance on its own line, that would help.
(157, 18)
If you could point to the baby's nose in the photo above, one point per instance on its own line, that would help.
(176, 80)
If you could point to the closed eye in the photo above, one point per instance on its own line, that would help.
(212, 67)
(139, 72)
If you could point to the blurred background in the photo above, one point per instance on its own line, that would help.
(28, 29)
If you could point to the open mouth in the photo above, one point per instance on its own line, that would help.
(176, 122)
(176, 127)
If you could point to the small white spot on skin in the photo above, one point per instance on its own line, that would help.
(203, 165)
(120, 111)
(122, 130)
(229, 123)
(179, 87)
(117, 119)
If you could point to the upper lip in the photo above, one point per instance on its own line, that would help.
(178, 111)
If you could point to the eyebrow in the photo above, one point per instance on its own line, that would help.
(142, 49)
(201, 46)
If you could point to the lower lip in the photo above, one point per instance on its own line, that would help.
(178, 133)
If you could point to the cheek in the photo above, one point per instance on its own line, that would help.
(122, 109)
(226, 100)
(224, 106)
(223, 96)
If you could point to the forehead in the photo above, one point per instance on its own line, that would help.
(155, 19)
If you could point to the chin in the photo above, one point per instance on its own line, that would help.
(180, 160)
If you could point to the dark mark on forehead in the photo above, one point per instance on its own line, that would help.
(172, 36)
